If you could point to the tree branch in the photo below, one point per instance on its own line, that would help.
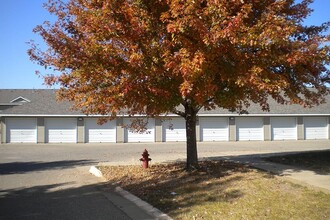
(205, 103)
(181, 113)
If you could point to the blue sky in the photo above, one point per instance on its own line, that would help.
(19, 17)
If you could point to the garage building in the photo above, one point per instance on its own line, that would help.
(34, 116)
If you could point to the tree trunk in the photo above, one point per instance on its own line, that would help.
(192, 158)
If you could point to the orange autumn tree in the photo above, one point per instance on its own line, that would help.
(150, 57)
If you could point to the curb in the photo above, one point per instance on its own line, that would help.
(149, 209)
(96, 172)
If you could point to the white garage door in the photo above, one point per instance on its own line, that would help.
(147, 136)
(316, 127)
(21, 130)
(174, 130)
(214, 128)
(284, 128)
(249, 128)
(61, 130)
(96, 133)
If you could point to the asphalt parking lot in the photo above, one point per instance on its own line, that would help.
(51, 181)
(128, 153)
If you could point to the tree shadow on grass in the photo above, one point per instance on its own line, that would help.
(184, 191)
(25, 167)
(171, 189)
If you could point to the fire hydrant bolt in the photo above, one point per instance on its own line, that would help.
(145, 159)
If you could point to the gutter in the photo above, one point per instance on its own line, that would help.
(169, 115)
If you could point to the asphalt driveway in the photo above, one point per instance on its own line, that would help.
(51, 181)
(52, 190)
(86, 154)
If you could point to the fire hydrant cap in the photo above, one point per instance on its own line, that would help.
(145, 153)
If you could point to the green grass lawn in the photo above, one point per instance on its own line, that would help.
(220, 190)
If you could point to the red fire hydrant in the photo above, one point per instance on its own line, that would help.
(145, 159)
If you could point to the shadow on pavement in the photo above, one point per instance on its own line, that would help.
(25, 167)
(315, 161)
(57, 201)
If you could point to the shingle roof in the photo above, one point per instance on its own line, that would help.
(43, 102)
(279, 109)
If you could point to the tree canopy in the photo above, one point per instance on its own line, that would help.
(151, 56)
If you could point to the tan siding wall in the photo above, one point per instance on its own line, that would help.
(198, 130)
(40, 130)
(3, 130)
(329, 127)
(232, 129)
(300, 128)
(120, 131)
(158, 130)
(267, 129)
(80, 130)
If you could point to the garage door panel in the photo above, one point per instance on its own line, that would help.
(147, 136)
(249, 129)
(284, 128)
(61, 130)
(22, 136)
(101, 136)
(63, 135)
(21, 130)
(250, 134)
(214, 129)
(95, 133)
(284, 134)
(174, 130)
(316, 128)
